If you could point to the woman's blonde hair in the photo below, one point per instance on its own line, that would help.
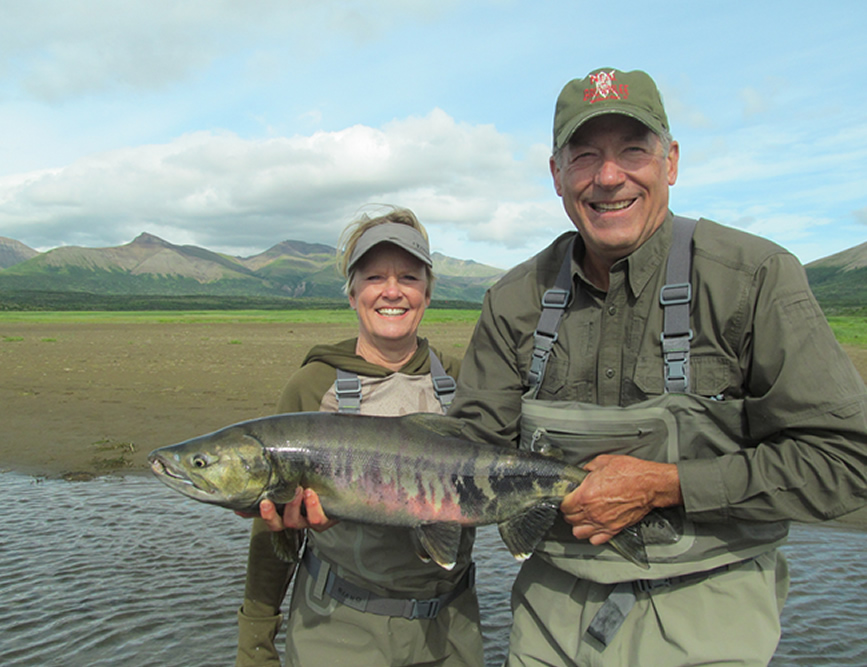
(354, 230)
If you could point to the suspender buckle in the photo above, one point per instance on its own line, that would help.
(675, 294)
(555, 298)
(444, 384)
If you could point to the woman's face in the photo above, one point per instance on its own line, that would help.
(389, 294)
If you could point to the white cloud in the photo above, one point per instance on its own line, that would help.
(218, 189)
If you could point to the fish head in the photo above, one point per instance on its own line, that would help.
(230, 468)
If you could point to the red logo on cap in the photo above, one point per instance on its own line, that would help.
(605, 88)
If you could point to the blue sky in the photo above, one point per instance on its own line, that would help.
(236, 125)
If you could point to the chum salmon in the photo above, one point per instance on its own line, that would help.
(414, 471)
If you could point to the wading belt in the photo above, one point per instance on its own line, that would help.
(360, 599)
(611, 615)
(348, 387)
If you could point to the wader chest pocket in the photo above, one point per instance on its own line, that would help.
(579, 443)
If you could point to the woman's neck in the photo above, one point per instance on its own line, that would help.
(393, 357)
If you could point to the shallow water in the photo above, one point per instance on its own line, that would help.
(127, 572)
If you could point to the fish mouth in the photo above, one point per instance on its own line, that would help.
(173, 477)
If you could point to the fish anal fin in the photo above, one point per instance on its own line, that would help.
(441, 541)
(630, 544)
(522, 532)
(417, 546)
(287, 544)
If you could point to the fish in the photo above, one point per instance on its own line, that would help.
(414, 471)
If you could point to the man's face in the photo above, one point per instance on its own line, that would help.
(613, 177)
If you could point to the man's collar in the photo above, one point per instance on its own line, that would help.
(642, 264)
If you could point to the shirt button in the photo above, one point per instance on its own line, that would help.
(612, 310)
(609, 373)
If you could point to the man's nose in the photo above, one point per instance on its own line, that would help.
(609, 173)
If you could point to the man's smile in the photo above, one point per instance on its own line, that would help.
(605, 207)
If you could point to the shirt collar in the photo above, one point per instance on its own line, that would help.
(644, 263)
(640, 266)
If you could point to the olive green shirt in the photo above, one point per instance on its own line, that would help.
(759, 336)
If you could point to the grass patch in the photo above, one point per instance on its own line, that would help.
(849, 330)
(324, 316)
(12, 339)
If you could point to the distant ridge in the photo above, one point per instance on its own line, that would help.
(14, 252)
(149, 265)
(839, 281)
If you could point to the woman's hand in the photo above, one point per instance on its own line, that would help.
(303, 511)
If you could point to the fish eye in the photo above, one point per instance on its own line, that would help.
(200, 461)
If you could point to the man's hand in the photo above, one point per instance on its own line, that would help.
(619, 492)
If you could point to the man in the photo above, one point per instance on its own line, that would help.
(689, 368)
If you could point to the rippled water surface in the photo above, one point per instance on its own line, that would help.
(126, 572)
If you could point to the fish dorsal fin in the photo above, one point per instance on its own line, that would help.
(522, 532)
(441, 541)
(438, 424)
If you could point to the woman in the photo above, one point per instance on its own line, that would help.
(387, 370)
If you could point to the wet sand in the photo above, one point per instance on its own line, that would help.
(85, 399)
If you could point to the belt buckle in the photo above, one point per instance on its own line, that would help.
(647, 585)
(424, 609)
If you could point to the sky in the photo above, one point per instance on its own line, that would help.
(235, 125)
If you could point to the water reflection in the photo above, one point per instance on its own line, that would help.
(125, 571)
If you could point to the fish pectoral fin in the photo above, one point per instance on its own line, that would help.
(441, 541)
(522, 532)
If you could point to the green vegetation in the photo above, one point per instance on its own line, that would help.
(850, 329)
(333, 316)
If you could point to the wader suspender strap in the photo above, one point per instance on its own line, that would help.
(347, 387)
(554, 304)
(444, 384)
(675, 296)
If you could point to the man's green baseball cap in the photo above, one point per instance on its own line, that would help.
(607, 90)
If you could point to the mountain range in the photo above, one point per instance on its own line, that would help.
(151, 266)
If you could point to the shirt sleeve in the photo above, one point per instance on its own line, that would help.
(806, 416)
(488, 398)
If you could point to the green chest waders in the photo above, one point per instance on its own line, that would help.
(662, 429)
(347, 388)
